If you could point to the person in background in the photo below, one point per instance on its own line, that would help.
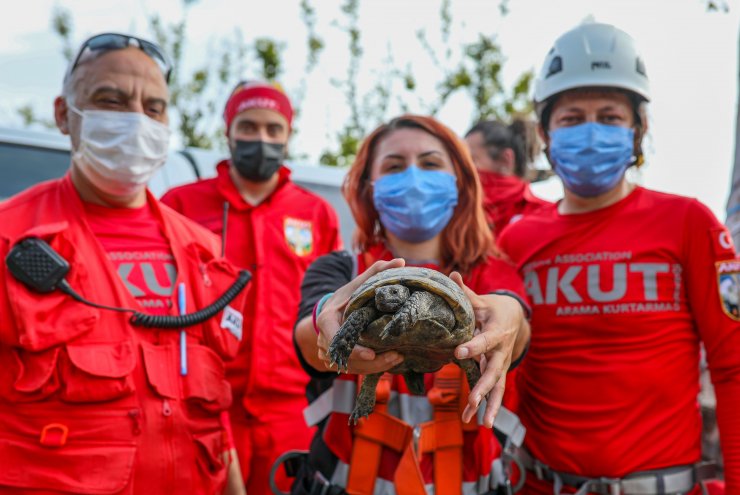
(91, 402)
(503, 155)
(275, 229)
(416, 199)
(625, 285)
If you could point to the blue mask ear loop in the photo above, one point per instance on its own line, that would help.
(182, 308)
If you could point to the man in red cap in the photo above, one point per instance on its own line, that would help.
(275, 229)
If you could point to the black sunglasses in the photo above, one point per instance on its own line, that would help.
(116, 41)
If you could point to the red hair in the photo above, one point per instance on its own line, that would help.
(466, 240)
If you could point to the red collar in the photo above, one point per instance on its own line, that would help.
(78, 205)
(502, 188)
(226, 187)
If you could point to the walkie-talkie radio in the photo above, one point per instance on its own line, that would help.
(35, 264)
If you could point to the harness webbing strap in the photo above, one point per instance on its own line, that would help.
(444, 435)
(407, 478)
(366, 449)
(677, 479)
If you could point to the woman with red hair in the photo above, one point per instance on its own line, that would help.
(417, 201)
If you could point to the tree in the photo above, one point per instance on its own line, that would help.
(197, 94)
(196, 97)
(475, 71)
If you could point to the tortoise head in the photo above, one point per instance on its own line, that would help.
(390, 298)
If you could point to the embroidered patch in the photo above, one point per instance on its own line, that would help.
(232, 321)
(299, 235)
(722, 242)
(728, 280)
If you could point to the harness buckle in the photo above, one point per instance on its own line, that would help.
(613, 485)
(539, 470)
(319, 484)
(415, 437)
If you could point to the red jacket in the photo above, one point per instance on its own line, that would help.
(276, 240)
(89, 403)
(507, 199)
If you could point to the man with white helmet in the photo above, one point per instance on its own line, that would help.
(624, 283)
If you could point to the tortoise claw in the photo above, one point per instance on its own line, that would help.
(355, 417)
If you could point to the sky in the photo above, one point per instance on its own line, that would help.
(691, 58)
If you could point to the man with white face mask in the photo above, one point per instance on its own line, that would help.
(89, 402)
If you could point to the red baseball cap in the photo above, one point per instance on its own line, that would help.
(256, 94)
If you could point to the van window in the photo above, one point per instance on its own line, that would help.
(22, 166)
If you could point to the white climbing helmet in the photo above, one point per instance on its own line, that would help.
(591, 55)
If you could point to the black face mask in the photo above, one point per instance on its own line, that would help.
(257, 160)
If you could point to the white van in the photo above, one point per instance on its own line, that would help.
(28, 157)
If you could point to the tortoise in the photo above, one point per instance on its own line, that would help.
(420, 313)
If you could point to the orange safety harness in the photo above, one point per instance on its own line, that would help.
(442, 437)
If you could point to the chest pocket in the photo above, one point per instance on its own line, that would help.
(45, 320)
(204, 386)
(65, 348)
(95, 373)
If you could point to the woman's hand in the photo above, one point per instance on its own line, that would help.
(362, 361)
(503, 335)
(234, 482)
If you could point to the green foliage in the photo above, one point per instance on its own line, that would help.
(29, 117)
(188, 91)
(349, 137)
(475, 70)
(478, 74)
(198, 94)
(269, 53)
(61, 24)
(717, 5)
(314, 42)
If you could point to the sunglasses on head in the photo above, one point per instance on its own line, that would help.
(116, 41)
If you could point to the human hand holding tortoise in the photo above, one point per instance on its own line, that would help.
(500, 325)
(362, 360)
(418, 312)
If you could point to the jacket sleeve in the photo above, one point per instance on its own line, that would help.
(709, 258)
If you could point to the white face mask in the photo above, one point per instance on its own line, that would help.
(120, 151)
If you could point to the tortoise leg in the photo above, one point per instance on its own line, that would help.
(471, 369)
(415, 382)
(365, 401)
(349, 333)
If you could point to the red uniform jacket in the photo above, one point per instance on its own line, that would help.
(89, 403)
(276, 240)
(507, 199)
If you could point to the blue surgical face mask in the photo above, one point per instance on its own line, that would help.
(415, 205)
(591, 158)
